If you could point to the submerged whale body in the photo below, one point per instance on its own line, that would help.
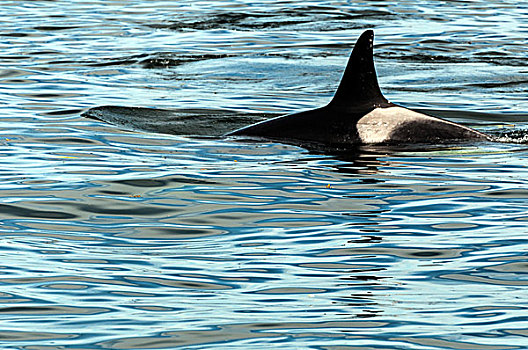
(360, 114)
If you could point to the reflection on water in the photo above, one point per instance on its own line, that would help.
(113, 239)
(204, 247)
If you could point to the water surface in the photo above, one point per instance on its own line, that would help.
(119, 239)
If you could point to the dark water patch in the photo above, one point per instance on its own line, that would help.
(231, 333)
(52, 310)
(155, 282)
(18, 35)
(24, 212)
(121, 61)
(18, 81)
(422, 57)
(71, 141)
(164, 182)
(292, 290)
(507, 194)
(11, 73)
(507, 60)
(516, 267)
(465, 54)
(168, 60)
(517, 332)
(44, 53)
(101, 262)
(172, 233)
(155, 308)
(483, 279)
(436, 343)
(20, 336)
(114, 207)
(408, 253)
(17, 231)
(314, 17)
(52, 28)
(491, 85)
(64, 112)
(143, 183)
(339, 266)
(14, 58)
(49, 96)
(64, 279)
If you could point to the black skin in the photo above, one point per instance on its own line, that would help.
(357, 95)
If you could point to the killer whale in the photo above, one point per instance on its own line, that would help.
(359, 114)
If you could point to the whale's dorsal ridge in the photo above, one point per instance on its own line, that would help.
(360, 114)
(359, 84)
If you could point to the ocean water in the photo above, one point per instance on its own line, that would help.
(152, 232)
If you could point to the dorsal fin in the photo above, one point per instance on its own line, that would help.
(359, 85)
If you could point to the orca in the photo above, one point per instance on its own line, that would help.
(360, 114)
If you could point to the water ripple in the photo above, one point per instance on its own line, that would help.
(156, 233)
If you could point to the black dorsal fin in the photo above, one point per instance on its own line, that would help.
(359, 85)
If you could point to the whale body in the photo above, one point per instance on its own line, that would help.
(360, 114)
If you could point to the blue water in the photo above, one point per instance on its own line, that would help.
(119, 239)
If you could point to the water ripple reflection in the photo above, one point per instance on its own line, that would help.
(167, 236)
